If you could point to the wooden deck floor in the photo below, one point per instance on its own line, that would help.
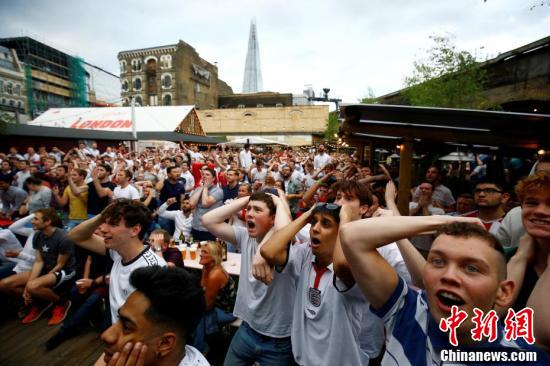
(23, 345)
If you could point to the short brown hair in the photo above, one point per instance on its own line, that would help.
(51, 215)
(81, 172)
(355, 189)
(538, 182)
(265, 198)
(470, 230)
(133, 212)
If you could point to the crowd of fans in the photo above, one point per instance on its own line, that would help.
(331, 271)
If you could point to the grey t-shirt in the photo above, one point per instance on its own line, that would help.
(267, 309)
(51, 246)
(215, 192)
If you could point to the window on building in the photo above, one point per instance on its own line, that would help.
(136, 64)
(1, 86)
(167, 81)
(279, 105)
(123, 66)
(17, 89)
(125, 85)
(12, 103)
(240, 106)
(259, 105)
(9, 88)
(166, 61)
(167, 100)
(3, 100)
(137, 84)
(197, 88)
(19, 105)
(139, 101)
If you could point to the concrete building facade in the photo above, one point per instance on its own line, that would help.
(170, 75)
(13, 100)
(294, 125)
(55, 79)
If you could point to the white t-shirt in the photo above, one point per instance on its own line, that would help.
(189, 180)
(130, 192)
(267, 309)
(321, 160)
(260, 175)
(182, 223)
(8, 241)
(119, 285)
(326, 319)
(246, 158)
(193, 358)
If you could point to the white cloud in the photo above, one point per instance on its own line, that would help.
(345, 45)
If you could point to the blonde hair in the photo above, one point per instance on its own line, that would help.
(215, 251)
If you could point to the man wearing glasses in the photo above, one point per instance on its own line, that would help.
(490, 199)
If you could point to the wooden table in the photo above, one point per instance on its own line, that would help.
(232, 265)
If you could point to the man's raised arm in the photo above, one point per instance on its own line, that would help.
(274, 250)
(376, 278)
(83, 235)
(214, 221)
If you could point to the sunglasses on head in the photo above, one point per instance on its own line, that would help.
(328, 206)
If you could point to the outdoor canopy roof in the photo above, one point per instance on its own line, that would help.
(159, 123)
(503, 129)
(412, 124)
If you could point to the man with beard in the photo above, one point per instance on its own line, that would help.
(231, 189)
(100, 189)
(490, 199)
(264, 335)
(442, 197)
(293, 189)
(321, 159)
(53, 270)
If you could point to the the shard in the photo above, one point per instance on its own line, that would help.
(252, 71)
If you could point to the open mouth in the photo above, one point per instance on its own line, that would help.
(250, 224)
(449, 299)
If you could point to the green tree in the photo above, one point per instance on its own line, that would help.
(447, 77)
(370, 98)
(332, 126)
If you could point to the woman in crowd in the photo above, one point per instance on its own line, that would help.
(220, 292)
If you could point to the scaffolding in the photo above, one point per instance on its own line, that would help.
(77, 76)
(55, 79)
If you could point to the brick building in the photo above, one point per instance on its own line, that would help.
(170, 75)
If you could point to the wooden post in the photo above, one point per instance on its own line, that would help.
(405, 174)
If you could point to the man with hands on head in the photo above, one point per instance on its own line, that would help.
(123, 225)
(327, 310)
(207, 197)
(465, 268)
(264, 335)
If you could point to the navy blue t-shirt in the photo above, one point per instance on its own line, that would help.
(172, 190)
(230, 193)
